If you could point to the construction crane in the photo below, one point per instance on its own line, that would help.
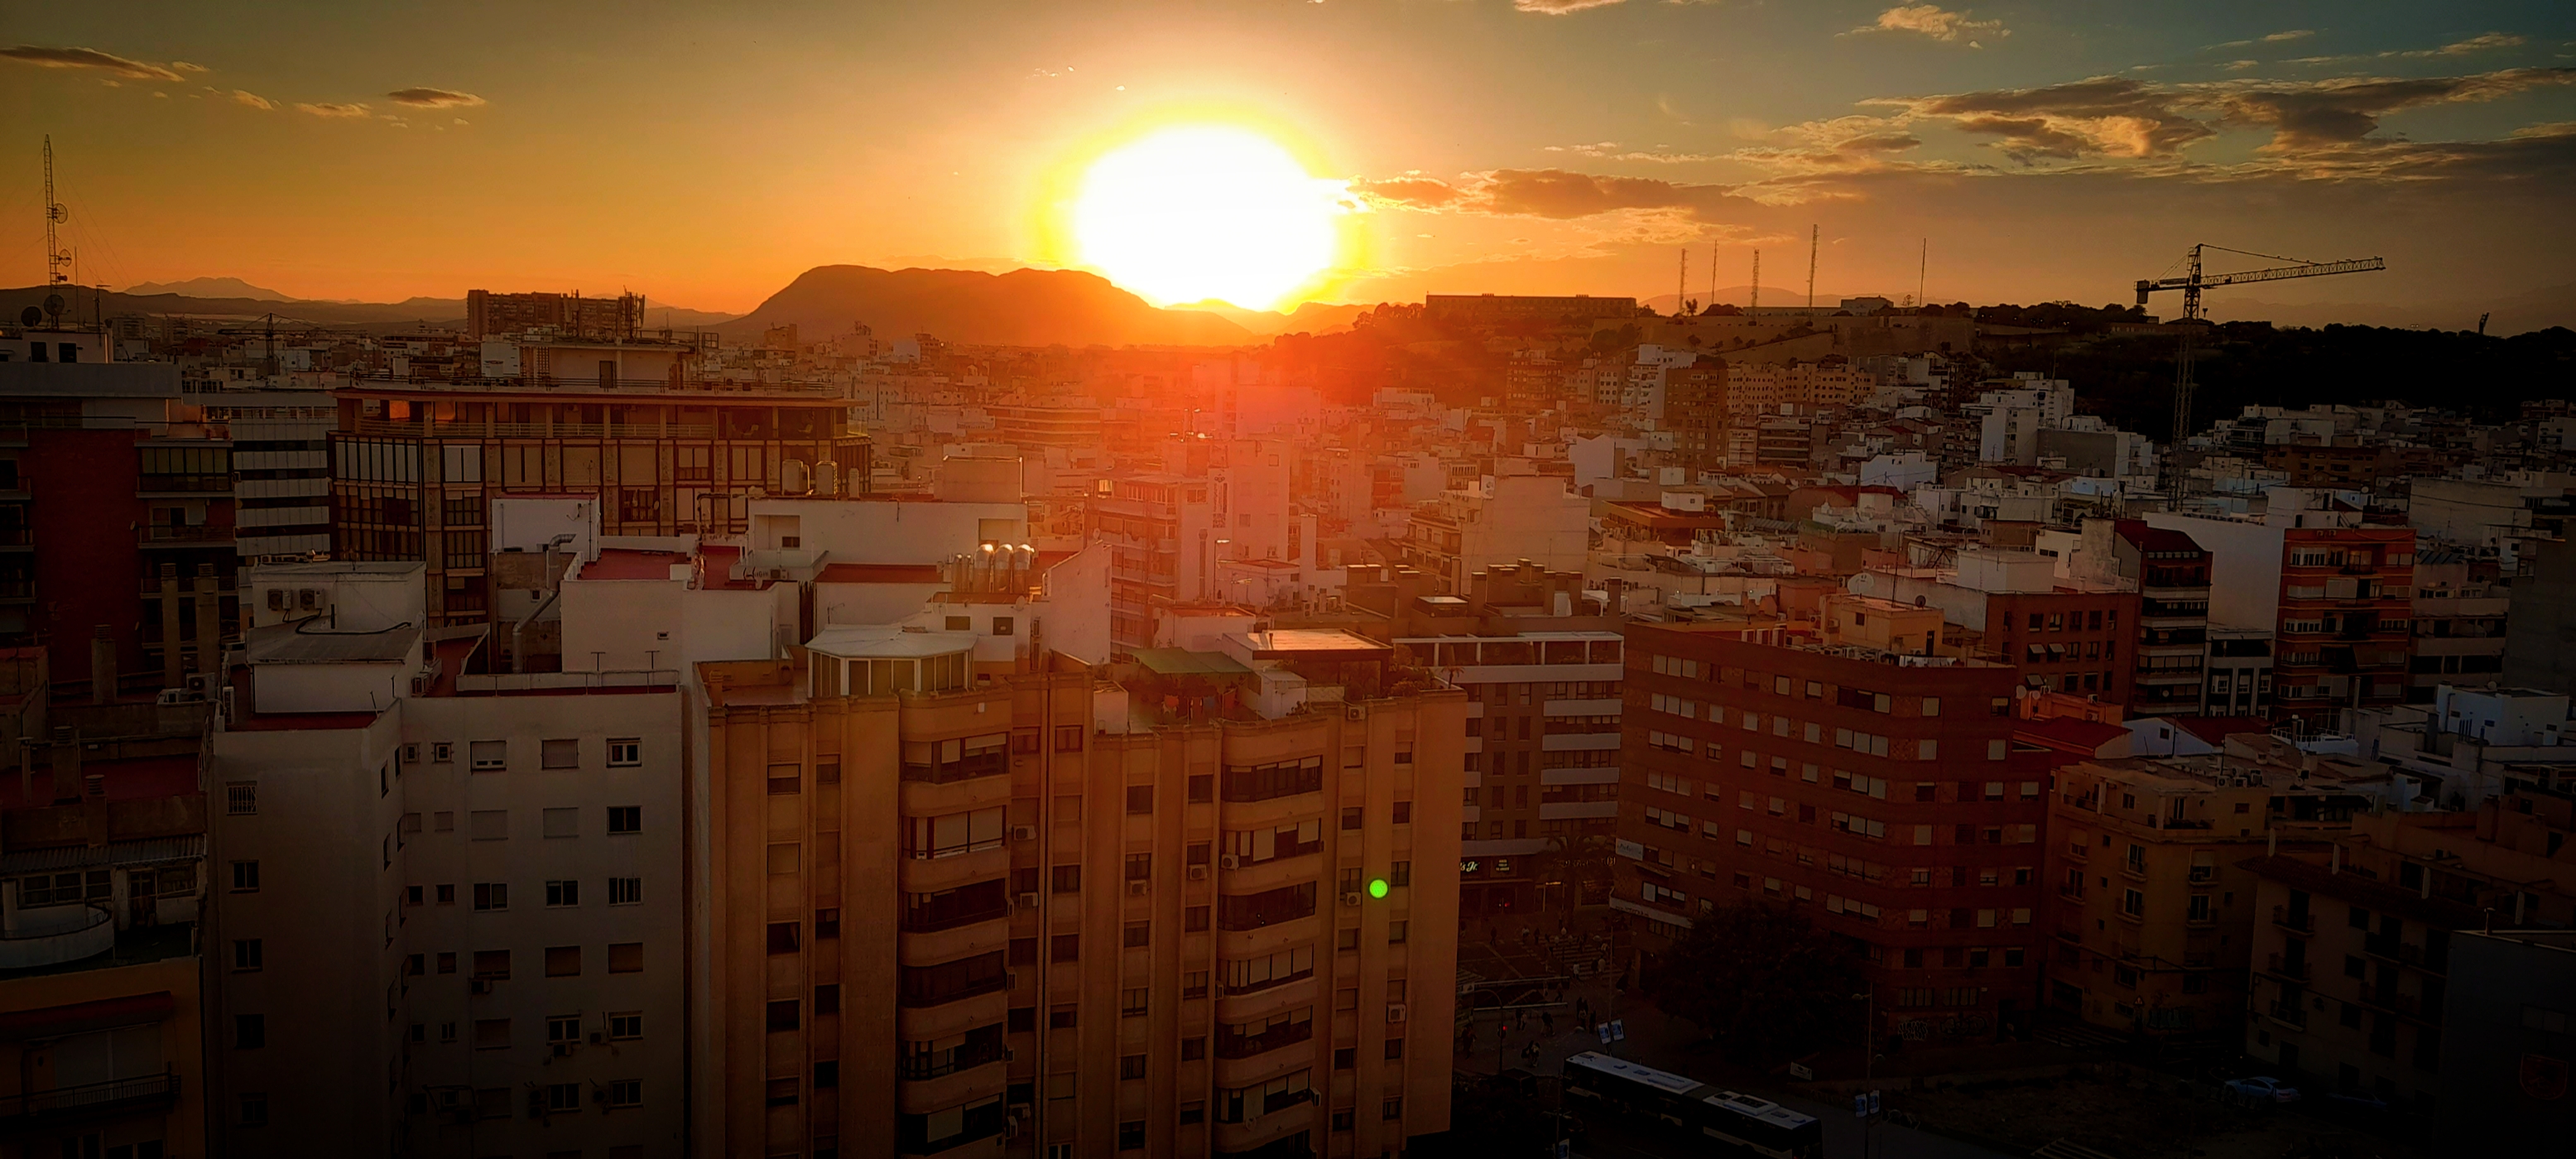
(2194, 281)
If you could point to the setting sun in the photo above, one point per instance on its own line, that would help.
(1194, 212)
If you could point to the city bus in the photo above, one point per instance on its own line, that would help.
(1737, 1124)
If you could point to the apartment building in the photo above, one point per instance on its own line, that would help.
(2336, 592)
(2354, 970)
(102, 885)
(2459, 609)
(2171, 575)
(629, 427)
(1540, 664)
(1850, 774)
(2153, 911)
(1235, 937)
(1509, 516)
(2072, 635)
(109, 483)
(507, 978)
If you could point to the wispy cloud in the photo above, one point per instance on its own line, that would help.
(1933, 21)
(1560, 7)
(330, 109)
(253, 100)
(2483, 42)
(426, 98)
(2269, 38)
(91, 58)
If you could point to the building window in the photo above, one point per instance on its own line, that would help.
(626, 1093)
(783, 938)
(783, 780)
(625, 890)
(489, 756)
(491, 895)
(563, 893)
(247, 955)
(781, 1092)
(559, 754)
(245, 877)
(626, 957)
(1140, 800)
(241, 799)
(563, 961)
(625, 752)
(250, 1031)
(626, 1025)
(1064, 948)
(251, 1110)
(625, 818)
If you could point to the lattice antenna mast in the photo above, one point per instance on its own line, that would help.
(1813, 233)
(1756, 306)
(58, 264)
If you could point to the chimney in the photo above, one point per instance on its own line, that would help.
(210, 622)
(102, 666)
(171, 649)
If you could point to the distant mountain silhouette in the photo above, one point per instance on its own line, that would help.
(1020, 308)
(212, 288)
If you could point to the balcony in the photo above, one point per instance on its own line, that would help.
(54, 935)
(2290, 919)
(62, 1108)
(2289, 1014)
(2287, 967)
(171, 535)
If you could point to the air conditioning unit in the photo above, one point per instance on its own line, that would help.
(479, 985)
(1350, 899)
(1395, 1012)
(596, 1038)
(1024, 832)
(1198, 873)
(1139, 888)
(1229, 861)
(420, 686)
(1028, 901)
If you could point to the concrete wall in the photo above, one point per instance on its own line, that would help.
(2245, 567)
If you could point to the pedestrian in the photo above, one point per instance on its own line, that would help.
(1547, 1020)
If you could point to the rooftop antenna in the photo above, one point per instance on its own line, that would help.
(1712, 271)
(1922, 271)
(1756, 306)
(58, 264)
(1681, 285)
(1813, 233)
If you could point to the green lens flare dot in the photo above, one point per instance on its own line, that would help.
(1377, 887)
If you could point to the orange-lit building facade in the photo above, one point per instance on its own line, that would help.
(1879, 793)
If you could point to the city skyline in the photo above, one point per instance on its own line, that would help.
(1538, 147)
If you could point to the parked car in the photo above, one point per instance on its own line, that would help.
(2262, 1089)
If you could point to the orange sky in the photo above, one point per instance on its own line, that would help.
(705, 158)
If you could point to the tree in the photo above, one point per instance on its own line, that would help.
(1761, 980)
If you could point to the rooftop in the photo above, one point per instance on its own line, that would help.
(294, 644)
(1312, 644)
(881, 641)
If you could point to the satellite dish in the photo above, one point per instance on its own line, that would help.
(30, 316)
(59, 212)
(54, 304)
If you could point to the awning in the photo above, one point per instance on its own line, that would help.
(1183, 662)
(82, 1017)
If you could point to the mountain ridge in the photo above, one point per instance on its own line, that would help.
(1024, 307)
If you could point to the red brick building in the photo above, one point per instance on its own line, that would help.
(1881, 795)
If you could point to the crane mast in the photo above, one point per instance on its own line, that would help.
(2193, 281)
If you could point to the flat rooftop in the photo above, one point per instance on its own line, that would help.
(1312, 644)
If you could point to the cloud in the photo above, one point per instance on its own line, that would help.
(328, 109)
(1555, 194)
(2483, 42)
(43, 57)
(2239, 65)
(433, 98)
(2325, 114)
(254, 100)
(1933, 21)
(1559, 7)
(2108, 116)
(2268, 38)
(2122, 117)
(184, 66)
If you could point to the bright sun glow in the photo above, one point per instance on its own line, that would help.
(1203, 211)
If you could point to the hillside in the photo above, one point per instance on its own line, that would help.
(1020, 308)
(211, 288)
